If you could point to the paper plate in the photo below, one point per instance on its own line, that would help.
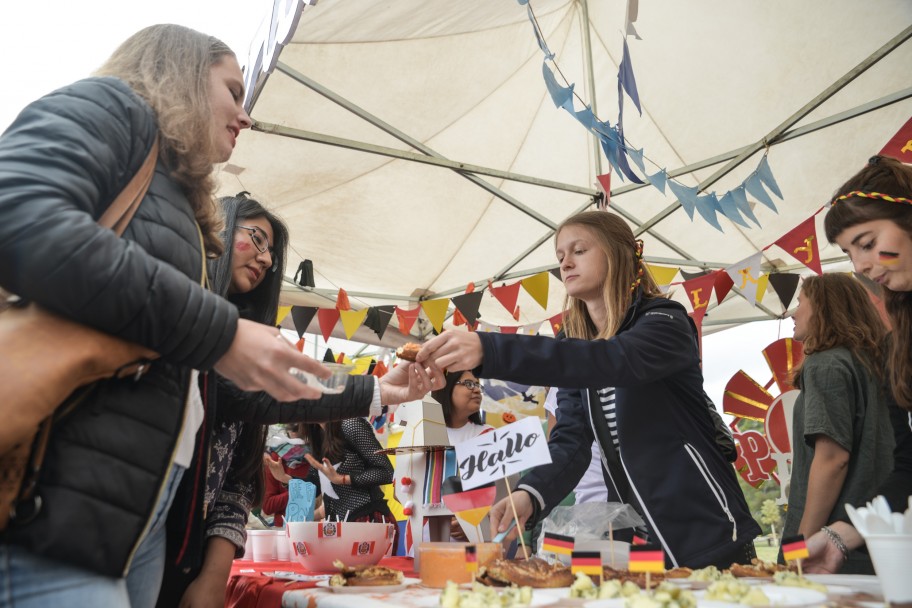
(407, 582)
(434, 600)
(778, 596)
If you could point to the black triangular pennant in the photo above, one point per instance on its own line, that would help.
(693, 275)
(555, 272)
(328, 356)
(785, 284)
(378, 318)
(468, 304)
(302, 316)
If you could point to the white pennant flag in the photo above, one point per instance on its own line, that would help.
(746, 276)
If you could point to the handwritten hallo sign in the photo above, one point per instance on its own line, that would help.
(504, 451)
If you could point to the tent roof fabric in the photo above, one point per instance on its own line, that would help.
(463, 80)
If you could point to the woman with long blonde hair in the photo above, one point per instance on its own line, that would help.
(634, 358)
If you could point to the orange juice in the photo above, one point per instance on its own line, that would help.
(442, 562)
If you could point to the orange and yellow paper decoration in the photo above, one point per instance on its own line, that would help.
(436, 311)
(352, 320)
(537, 287)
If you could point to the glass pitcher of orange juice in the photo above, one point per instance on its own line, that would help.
(440, 562)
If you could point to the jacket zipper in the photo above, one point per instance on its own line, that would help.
(204, 281)
(646, 512)
(713, 485)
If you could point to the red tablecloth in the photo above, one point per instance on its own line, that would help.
(251, 589)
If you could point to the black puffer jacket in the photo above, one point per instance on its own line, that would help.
(62, 162)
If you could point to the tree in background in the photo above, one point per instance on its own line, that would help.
(771, 515)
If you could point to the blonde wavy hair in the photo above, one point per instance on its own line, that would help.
(615, 240)
(168, 66)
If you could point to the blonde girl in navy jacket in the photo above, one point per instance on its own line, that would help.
(633, 358)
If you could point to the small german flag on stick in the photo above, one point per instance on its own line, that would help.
(648, 559)
(795, 549)
(556, 543)
(587, 562)
(471, 560)
(638, 540)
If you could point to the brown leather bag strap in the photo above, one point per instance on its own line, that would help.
(118, 215)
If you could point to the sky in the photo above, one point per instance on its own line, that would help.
(45, 44)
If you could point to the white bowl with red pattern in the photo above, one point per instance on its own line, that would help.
(317, 544)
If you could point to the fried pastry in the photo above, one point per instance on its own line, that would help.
(364, 576)
(408, 351)
(533, 572)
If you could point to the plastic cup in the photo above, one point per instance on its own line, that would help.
(892, 554)
(283, 554)
(264, 545)
(248, 548)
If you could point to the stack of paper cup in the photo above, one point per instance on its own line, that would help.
(264, 545)
(892, 556)
(283, 553)
(888, 536)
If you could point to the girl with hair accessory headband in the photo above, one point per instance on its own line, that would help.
(877, 236)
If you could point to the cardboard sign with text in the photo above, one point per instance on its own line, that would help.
(504, 451)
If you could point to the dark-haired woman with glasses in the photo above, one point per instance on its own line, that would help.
(461, 401)
(206, 526)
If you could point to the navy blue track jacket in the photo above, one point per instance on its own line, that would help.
(687, 492)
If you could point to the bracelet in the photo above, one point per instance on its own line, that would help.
(837, 540)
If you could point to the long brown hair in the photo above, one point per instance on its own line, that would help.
(616, 241)
(887, 176)
(168, 66)
(842, 315)
(326, 440)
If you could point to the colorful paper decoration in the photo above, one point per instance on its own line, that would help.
(283, 312)
(785, 284)
(506, 295)
(699, 292)
(900, 145)
(746, 277)
(467, 305)
(745, 398)
(722, 285)
(378, 318)
(352, 320)
(537, 287)
(801, 243)
(407, 319)
(342, 302)
(782, 357)
(436, 310)
(302, 316)
(663, 275)
(557, 322)
(328, 317)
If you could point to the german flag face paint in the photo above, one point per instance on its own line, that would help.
(888, 258)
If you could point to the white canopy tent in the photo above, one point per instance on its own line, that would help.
(413, 148)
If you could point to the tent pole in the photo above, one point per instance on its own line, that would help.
(590, 82)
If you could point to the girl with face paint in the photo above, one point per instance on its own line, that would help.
(871, 221)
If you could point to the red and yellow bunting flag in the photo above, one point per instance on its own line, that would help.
(646, 558)
(587, 562)
(555, 543)
(471, 558)
(638, 540)
(794, 548)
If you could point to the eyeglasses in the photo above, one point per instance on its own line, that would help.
(261, 242)
(470, 384)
